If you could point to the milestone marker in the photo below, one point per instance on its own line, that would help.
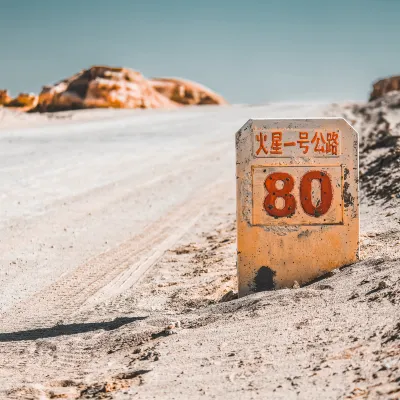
(297, 200)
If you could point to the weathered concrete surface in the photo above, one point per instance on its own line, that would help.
(314, 229)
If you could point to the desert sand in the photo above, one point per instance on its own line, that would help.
(118, 275)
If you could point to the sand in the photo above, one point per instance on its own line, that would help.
(118, 266)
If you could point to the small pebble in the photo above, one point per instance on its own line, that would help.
(382, 285)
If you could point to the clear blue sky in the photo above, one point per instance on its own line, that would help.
(250, 51)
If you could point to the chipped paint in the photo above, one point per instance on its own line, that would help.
(348, 198)
(304, 234)
(297, 208)
(264, 280)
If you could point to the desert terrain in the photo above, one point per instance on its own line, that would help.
(118, 263)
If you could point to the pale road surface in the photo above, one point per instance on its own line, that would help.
(122, 187)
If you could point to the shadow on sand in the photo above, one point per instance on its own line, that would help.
(71, 329)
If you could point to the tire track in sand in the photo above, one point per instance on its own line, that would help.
(109, 273)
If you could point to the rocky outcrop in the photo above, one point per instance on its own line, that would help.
(103, 87)
(24, 102)
(379, 125)
(384, 86)
(110, 87)
(186, 92)
(4, 97)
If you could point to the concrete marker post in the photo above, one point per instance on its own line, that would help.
(297, 201)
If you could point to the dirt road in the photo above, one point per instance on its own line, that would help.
(76, 190)
(115, 225)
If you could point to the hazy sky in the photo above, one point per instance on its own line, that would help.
(250, 51)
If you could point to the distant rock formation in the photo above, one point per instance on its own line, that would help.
(24, 101)
(103, 87)
(4, 97)
(384, 86)
(112, 87)
(186, 92)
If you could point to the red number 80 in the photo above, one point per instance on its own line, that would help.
(284, 193)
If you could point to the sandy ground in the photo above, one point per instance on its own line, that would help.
(117, 243)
